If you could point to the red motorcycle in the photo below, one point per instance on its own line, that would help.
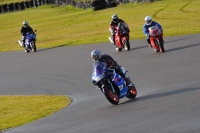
(156, 39)
(121, 37)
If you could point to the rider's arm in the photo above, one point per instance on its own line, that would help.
(145, 30)
(111, 63)
(112, 28)
(30, 29)
(22, 31)
(156, 23)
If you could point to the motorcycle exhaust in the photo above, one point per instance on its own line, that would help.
(111, 40)
(20, 43)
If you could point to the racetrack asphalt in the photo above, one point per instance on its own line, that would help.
(168, 86)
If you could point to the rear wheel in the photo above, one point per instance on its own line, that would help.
(132, 92)
(113, 98)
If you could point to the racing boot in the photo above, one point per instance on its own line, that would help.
(23, 43)
(131, 86)
(148, 41)
(113, 38)
(128, 82)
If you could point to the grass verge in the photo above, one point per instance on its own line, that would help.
(67, 25)
(19, 110)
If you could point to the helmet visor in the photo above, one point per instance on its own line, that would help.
(25, 25)
(148, 21)
(115, 20)
(95, 57)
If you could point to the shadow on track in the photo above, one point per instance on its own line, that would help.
(184, 47)
(138, 47)
(177, 40)
(51, 48)
(163, 94)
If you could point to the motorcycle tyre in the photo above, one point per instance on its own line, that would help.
(108, 93)
(27, 51)
(162, 49)
(34, 47)
(127, 45)
(118, 49)
(158, 45)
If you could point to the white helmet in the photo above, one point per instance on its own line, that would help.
(25, 24)
(148, 20)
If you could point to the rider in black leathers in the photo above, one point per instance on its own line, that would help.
(111, 63)
(25, 29)
(113, 24)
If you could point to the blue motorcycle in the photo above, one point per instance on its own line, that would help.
(111, 84)
(30, 42)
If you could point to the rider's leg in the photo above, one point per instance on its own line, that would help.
(148, 41)
(23, 41)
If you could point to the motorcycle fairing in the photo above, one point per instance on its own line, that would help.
(100, 72)
(120, 82)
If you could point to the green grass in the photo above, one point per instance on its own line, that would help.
(72, 26)
(19, 110)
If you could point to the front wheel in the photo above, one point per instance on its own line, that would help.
(161, 43)
(27, 51)
(127, 45)
(157, 46)
(113, 98)
(118, 49)
(34, 47)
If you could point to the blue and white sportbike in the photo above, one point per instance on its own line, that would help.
(30, 40)
(111, 84)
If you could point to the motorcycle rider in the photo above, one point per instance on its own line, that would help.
(24, 30)
(113, 24)
(111, 63)
(149, 23)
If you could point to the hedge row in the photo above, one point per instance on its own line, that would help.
(23, 5)
(102, 4)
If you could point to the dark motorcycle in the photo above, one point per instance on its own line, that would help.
(111, 84)
(121, 37)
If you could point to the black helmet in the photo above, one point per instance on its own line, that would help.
(115, 18)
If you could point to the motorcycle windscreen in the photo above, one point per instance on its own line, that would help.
(120, 82)
(154, 31)
(98, 71)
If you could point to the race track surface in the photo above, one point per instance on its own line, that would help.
(168, 87)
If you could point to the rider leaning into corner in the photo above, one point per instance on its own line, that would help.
(150, 23)
(25, 29)
(113, 24)
(111, 63)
